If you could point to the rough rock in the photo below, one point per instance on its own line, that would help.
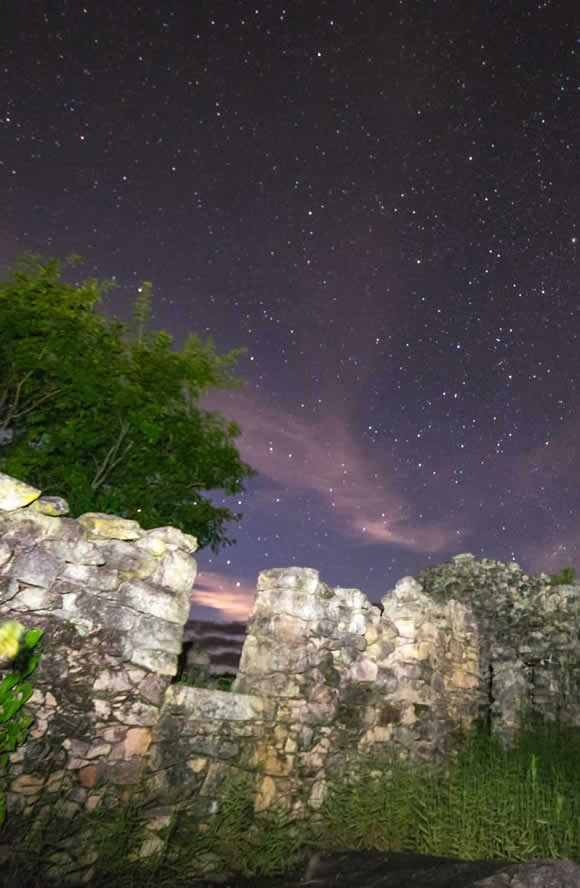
(15, 494)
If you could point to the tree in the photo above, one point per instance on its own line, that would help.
(105, 413)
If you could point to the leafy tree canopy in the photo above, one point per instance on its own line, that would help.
(105, 413)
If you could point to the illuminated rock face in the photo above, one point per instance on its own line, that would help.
(112, 599)
(325, 678)
(467, 640)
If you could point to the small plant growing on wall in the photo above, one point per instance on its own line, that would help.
(20, 647)
(566, 577)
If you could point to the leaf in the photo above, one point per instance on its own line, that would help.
(6, 685)
(33, 637)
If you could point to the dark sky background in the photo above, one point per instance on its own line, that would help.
(380, 200)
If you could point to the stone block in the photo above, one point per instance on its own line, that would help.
(15, 494)
(135, 712)
(364, 669)
(110, 527)
(76, 551)
(55, 506)
(125, 557)
(171, 537)
(33, 598)
(265, 795)
(111, 680)
(137, 741)
(147, 598)
(155, 659)
(91, 576)
(35, 566)
(206, 703)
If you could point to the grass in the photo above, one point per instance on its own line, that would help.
(486, 802)
(194, 676)
(489, 802)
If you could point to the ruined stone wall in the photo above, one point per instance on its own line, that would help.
(112, 600)
(529, 648)
(331, 680)
(325, 678)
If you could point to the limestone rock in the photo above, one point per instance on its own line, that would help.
(79, 551)
(125, 557)
(5, 553)
(171, 537)
(171, 606)
(265, 795)
(15, 494)
(27, 524)
(155, 659)
(36, 566)
(110, 527)
(177, 570)
(91, 577)
(205, 703)
(50, 505)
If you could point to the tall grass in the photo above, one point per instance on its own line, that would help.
(487, 801)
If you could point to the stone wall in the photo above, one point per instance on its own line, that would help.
(112, 600)
(331, 678)
(529, 652)
(325, 678)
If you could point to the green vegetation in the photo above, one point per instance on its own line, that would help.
(197, 677)
(566, 577)
(105, 413)
(21, 648)
(487, 802)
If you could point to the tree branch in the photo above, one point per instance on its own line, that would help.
(12, 412)
(113, 457)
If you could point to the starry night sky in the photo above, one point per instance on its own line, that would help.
(380, 201)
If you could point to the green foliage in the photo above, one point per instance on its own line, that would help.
(20, 647)
(197, 677)
(235, 839)
(105, 414)
(566, 577)
(488, 801)
(263, 845)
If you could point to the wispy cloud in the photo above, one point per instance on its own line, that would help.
(366, 497)
(359, 492)
(234, 598)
